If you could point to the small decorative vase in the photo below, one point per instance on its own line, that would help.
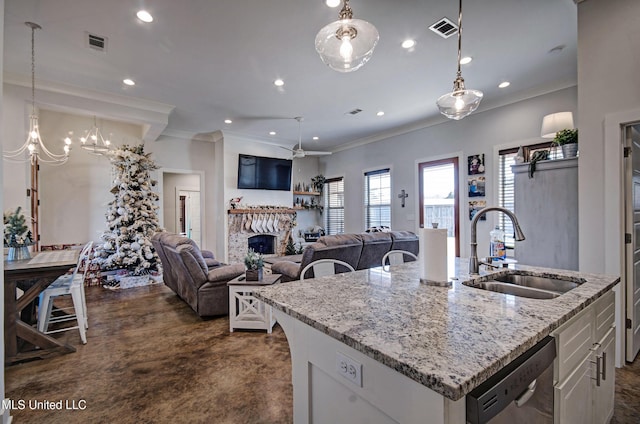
(254, 274)
(569, 150)
(18, 253)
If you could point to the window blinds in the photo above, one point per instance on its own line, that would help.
(377, 198)
(334, 206)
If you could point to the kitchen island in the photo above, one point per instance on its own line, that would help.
(410, 348)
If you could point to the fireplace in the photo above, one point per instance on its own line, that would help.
(266, 229)
(263, 243)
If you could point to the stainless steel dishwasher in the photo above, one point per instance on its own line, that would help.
(522, 392)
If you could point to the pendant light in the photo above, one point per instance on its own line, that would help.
(34, 147)
(461, 101)
(346, 44)
(94, 142)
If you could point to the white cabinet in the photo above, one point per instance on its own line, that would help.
(573, 395)
(584, 368)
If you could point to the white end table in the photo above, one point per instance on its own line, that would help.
(245, 311)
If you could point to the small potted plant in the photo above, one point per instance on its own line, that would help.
(17, 236)
(568, 141)
(254, 263)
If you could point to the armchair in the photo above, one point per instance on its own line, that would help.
(186, 272)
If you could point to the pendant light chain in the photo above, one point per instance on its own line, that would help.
(33, 69)
(459, 38)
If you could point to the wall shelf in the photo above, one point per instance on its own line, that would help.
(307, 193)
(261, 210)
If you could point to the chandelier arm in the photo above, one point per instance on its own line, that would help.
(37, 150)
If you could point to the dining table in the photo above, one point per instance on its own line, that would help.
(23, 341)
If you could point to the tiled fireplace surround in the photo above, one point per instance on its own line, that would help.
(281, 222)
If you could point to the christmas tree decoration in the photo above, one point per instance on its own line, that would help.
(132, 216)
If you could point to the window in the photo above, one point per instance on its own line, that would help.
(377, 198)
(506, 194)
(334, 205)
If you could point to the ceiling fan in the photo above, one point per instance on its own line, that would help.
(299, 152)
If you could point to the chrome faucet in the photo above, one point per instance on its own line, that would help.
(474, 265)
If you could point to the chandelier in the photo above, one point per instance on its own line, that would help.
(346, 44)
(94, 142)
(34, 147)
(460, 102)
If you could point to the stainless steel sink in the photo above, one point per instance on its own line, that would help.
(530, 286)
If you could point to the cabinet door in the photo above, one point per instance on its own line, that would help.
(604, 394)
(573, 397)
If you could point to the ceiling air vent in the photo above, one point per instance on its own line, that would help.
(445, 28)
(96, 42)
(354, 111)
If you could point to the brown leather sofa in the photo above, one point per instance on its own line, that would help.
(361, 251)
(186, 272)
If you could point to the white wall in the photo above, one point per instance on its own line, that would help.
(74, 196)
(608, 63)
(233, 146)
(5, 414)
(197, 156)
(485, 132)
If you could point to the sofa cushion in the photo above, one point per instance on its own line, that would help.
(345, 247)
(189, 256)
(374, 246)
(405, 240)
(176, 240)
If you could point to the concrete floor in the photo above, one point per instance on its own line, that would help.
(150, 359)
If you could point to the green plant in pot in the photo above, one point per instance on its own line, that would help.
(568, 141)
(17, 236)
(254, 263)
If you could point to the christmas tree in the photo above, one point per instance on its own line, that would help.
(132, 216)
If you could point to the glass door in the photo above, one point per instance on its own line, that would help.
(439, 200)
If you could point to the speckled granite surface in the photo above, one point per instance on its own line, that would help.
(449, 339)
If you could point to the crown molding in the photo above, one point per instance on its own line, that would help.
(152, 116)
(439, 119)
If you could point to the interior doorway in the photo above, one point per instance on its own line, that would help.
(439, 199)
(188, 222)
(631, 136)
(182, 204)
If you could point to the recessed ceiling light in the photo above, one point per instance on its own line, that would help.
(228, 121)
(407, 44)
(332, 3)
(381, 113)
(129, 81)
(272, 133)
(465, 60)
(315, 137)
(144, 16)
(504, 84)
(278, 83)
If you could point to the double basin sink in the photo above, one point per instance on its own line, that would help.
(526, 285)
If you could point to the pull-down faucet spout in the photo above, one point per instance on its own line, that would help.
(474, 266)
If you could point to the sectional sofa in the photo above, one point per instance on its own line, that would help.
(361, 251)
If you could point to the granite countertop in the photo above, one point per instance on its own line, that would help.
(450, 339)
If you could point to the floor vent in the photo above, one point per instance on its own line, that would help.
(354, 111)
(445, 28)
(96, 42)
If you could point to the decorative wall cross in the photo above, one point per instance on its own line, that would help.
(402, 196)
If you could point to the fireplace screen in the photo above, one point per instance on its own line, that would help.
(263, 243)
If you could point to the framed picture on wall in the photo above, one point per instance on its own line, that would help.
(475, 206)
(476, 164)
(476, 186)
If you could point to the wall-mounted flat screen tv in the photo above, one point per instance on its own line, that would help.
(257, 172)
